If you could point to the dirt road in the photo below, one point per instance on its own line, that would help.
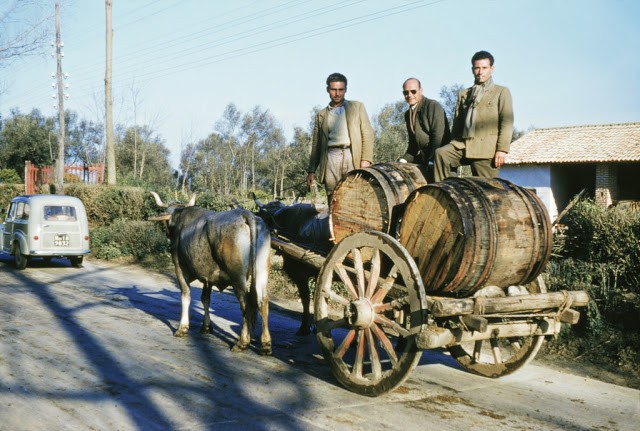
(92, 349)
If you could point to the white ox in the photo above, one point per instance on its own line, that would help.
(221, 249)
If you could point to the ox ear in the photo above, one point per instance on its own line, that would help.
(161, 217)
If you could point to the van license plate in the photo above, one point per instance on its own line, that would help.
(61, 240)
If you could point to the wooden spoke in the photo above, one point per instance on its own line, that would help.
(384, 321)
(344, 346)
(385, 343)
(332, 295)
(374, 274)
(376, 367)
(385, 286)
(358, 266)
(358, 363)
(342, 273)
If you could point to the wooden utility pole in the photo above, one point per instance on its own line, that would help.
(108, 101)
(59, 168)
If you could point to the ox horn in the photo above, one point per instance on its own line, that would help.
(255, 199)
(192, 202)
(158, 200)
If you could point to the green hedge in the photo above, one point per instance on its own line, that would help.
(8, 192)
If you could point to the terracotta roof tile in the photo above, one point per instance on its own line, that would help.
(578, 144)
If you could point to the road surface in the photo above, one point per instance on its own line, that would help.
(93, 349)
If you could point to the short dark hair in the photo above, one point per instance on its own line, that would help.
(481, 55)
(337, 77)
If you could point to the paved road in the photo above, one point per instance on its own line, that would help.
(92, 349)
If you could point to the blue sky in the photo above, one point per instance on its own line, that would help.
(566, 62)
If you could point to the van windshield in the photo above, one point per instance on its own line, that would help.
(60, 213)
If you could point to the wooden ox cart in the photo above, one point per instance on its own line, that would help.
(452, 265)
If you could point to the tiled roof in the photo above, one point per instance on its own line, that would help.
(579, 144)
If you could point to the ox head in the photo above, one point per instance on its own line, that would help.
(291, 219)
(169, 208)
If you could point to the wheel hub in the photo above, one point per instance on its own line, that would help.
(359, 313)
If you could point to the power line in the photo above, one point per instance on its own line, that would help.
(257, 47)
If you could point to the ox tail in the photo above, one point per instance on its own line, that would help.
(259, 261)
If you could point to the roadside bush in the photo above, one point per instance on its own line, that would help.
(608, 239)
(105, 204)
(141, 240)
(598, 251)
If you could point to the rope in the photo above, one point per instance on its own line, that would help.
(566, 303)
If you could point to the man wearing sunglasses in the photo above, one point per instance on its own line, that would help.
(342, 137)
(482, 125)
(427, 126)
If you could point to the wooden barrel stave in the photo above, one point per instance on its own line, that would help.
(466, 233)
(367, 198)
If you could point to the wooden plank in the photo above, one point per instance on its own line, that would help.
(509, 304)
(297, 253)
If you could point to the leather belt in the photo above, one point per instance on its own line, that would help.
(339, 147)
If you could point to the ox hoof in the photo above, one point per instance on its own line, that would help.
(304, 330)
(181, 332)
(239, 348)
(206, 330)
(265, 350)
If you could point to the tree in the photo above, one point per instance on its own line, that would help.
(449, 100)
(261, 136)
(25, 29)
(155, 157)
(390, 132)
(85, 140)
(27, 137)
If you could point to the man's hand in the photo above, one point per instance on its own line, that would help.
(365, 163)
(311, 180)
(498, 159)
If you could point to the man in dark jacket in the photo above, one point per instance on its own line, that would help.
(427, 125)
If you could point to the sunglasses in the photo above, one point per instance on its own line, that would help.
(406, 92)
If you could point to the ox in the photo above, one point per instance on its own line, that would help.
(308, 226)
(221, 249)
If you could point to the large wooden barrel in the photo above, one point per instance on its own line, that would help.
(467, 233)
(366, 198)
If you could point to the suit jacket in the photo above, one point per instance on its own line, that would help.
(494, 122)
(431, 131)
(360, 134)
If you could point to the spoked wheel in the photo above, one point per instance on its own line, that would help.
(369, 306)
(500, 356)
(21, 259)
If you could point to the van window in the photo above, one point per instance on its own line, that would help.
(22, 211)
(12, 211)
(60, 213)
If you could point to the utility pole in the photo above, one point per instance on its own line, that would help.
(108, 101)
(59, 168)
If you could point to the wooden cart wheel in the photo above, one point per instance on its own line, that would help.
(369, 306)
(501, 356)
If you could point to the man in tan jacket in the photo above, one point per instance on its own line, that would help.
(482, 125)
(342, 137)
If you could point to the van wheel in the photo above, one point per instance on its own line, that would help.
(76, 261)
(21, 259)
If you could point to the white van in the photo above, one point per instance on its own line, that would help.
(45, 226)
